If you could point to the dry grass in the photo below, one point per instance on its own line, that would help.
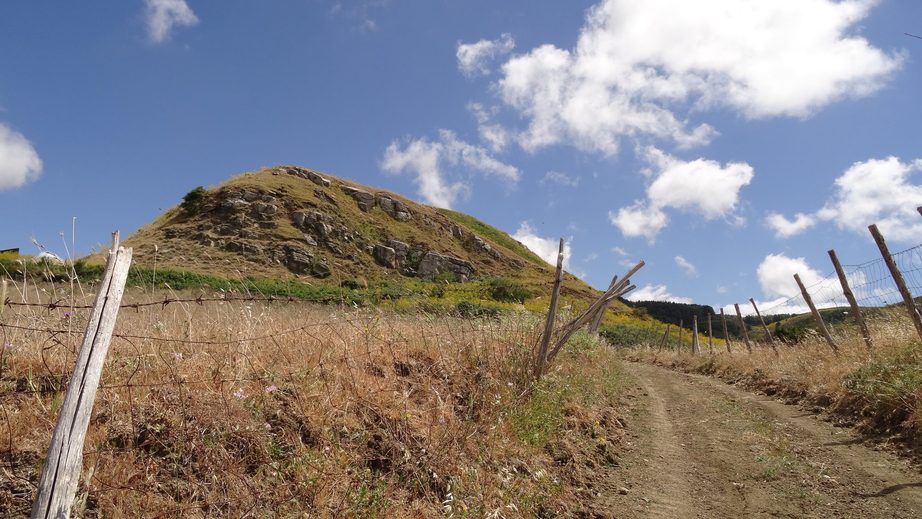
(330, 411)
(879, 389)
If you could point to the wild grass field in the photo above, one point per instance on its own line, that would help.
(245, 408)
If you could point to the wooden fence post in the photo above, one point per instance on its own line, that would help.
(665, 342)
(3, 288)
(856, 310)
(678, 348)
(695, 346)
(710, 336)
(816, 315)
(723, 321)
(771, 340)
(63, 464)
(597, 320)
(743, 327)
(541, 361)
(898, 279)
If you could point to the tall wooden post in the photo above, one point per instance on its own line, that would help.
(898, 279)
(665, 342)
(710, 336)
(771, 340)
(678, 348)
(695, 347)
(816, 315)
(597, 320)
(856, 310)
(541, 361)
(739, 315)
(723, 321)
(63, 464)
(3, 288)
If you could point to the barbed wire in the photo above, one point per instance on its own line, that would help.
(201, 300)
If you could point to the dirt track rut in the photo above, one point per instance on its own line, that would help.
(700, 448)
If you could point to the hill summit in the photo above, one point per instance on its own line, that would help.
(292, 222)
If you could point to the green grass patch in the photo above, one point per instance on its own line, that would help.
(495, 235)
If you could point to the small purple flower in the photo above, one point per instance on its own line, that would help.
(177, 355)
(68, 315)
(239, 393)
(271, 389)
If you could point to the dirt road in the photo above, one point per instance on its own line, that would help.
(700, 448)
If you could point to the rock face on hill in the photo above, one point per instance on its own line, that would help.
(299, 222)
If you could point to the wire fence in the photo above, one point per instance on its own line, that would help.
(870, 282)
(251, 393)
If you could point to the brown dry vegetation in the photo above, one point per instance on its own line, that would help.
(880, 390)
(326, 411)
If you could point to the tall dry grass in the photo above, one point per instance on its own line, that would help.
(266, 409)
(880, 388)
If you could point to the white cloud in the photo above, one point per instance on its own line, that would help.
(546, 248)
(642, 68)
(561, 179)
(19, 162)
(656, 293)
(700, 186)
(163, 15)
(685, 265)
(776, 275)
(428, 159)
(785, 228)
(878, 191)
(474, 58)
(874, 191)
(619, 251)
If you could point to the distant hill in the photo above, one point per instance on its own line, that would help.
(294, 223)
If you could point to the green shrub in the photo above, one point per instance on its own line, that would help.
(194, 200)
(507, 291)
(468, 309)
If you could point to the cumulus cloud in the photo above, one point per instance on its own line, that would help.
(785, 228)
(494, 135)
(546, 248)
(874, 191)
(656, 293)
(474, 58)
(163, 15)
(642, 68)
(561, 179)
(428, 160)
(685, 265)
(776, 275)
(19, 162)
(700, 186)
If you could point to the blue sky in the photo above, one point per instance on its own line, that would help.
(728, 143)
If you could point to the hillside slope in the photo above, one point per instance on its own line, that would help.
(293, 223)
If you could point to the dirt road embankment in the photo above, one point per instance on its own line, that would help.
(700, 448)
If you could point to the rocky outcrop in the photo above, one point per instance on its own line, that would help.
(364, 199)
(385, 256)
(433, 264)
(395, 208)
(305, 173)
(298, 260)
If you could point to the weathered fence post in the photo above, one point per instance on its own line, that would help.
(743, 327)
(678, 348)
(3, 288)
(63, 464)
(695, 346)
(898, 279)
(664, 343)
(723, 321)
(551, 314)
(816, 315)
(771, 340)
(856, 310)
(597, 320)
(710, 336)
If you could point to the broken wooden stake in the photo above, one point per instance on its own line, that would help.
(541, 360)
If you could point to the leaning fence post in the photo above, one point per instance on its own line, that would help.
(723, 321)
(710, 336)
(816, 315)
(551, 314)
(743, 327)
(856, 310)
(771, 340)
(597, 320)
(63, 464)
(898, 279)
